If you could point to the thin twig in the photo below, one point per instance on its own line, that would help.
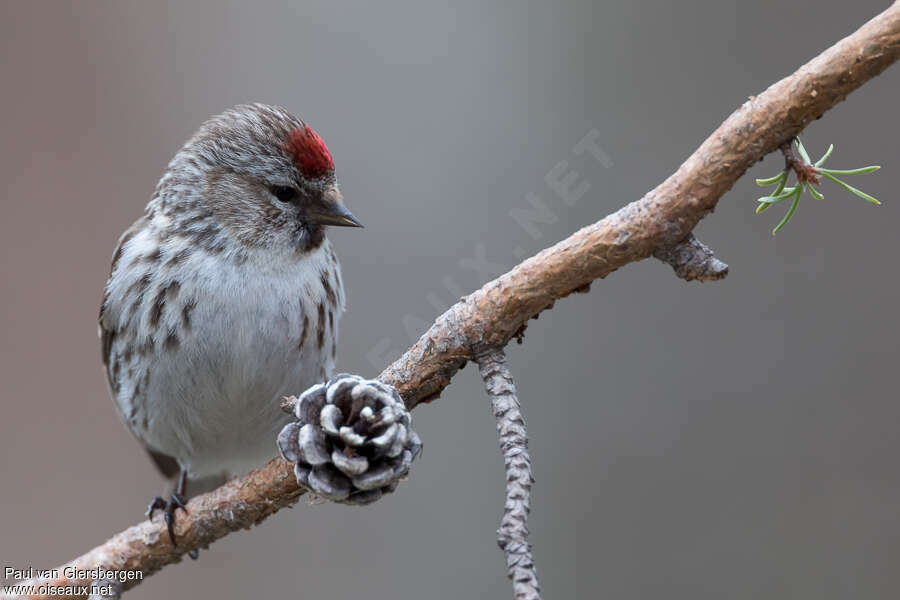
(500, 310)
(513, 533)
(805, 172)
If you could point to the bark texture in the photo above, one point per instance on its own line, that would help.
(692, 260)
(663, 217)
(512, 537)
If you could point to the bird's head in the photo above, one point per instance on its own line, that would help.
(263, 176)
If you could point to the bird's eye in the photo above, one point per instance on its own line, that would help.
(284, 193)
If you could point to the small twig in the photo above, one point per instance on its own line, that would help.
(513, 533)
(692, 260)
(806, 173)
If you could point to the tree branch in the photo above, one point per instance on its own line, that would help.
(499, 311)
(513, 533)
(663, 217)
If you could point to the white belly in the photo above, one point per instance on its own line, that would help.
(212, 400)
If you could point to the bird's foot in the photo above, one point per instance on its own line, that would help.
(169, 507)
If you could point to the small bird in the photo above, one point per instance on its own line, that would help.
(224, 297)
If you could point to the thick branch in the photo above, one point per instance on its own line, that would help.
(664, 216)
(500, 310)
(513, 533)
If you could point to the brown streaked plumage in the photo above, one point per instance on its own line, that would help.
(196, 340)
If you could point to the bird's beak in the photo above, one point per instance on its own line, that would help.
(330, 210)
(335, 215)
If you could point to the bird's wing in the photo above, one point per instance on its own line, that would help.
(108, 329)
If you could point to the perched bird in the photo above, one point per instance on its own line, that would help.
(224, 297)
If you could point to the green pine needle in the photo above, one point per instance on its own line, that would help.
(790, 213)
(811, 188)
(781, 192)
(802, 150)
(772, 180)
(859, 171)
(825, 156)
(852, 189)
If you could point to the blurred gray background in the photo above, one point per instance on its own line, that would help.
(729, 440)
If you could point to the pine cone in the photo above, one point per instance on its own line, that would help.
(352, 440)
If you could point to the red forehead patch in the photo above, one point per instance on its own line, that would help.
(309, 152)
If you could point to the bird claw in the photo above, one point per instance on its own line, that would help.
(169, 507)
(157, 502)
